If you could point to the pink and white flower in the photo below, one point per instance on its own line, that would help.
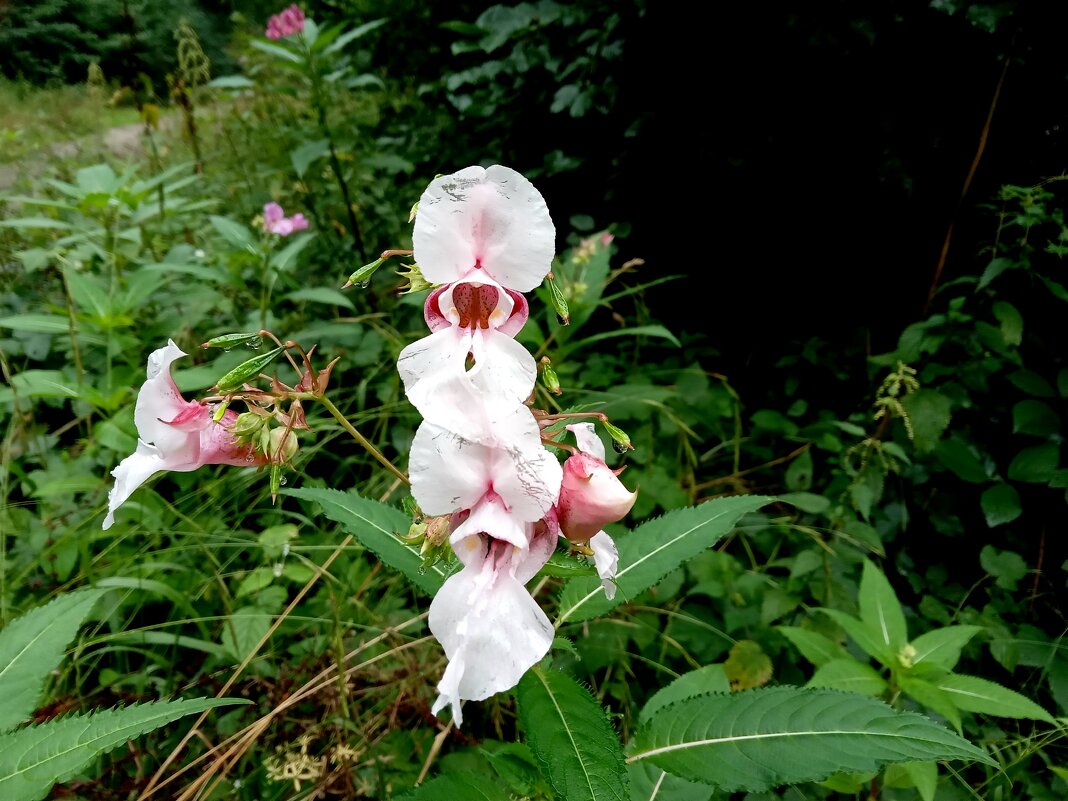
(276, 222)
(285, 23)
(591, 497)
(487, 236)
(490, 627)
(502, 486)
(173, 433)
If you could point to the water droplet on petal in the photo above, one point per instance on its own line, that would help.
(366, 282)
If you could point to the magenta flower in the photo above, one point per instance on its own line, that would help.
(286, 23)
(276, 222)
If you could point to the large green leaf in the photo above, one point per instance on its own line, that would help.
(708, 679)
(815, 647)
(653, 550)
(942, 646)
(649, 783)
(866, 636)
(375, 526)
(569, 733)
(33, 759)
(763, 738)
(880, 610)
(973, 694)
(462, 784)
(32, 647)
(849, 675)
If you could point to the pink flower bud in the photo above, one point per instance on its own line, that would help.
(591, 497)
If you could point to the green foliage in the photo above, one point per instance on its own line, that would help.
(33, 759)
(761, 738)
(32, 647)
(377, 527)
(655, 549)
(570, 734)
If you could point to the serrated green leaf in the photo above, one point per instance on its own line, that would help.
(461, 784)
(924, 777)
(1032, 383)
(815, 647)
(958, 456)
(880, 609)
(1001, 504)
(653, 550)
(931, 697)
(783, 735)
(849, 675)
(649, 783)
(569, 733)
(942, 647)
(868, 638)
(708, 679)
(33, 759)
(973, 694)
(929, 413)
(375, 526)
(32, 646)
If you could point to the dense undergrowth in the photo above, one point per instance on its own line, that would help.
(940, 461)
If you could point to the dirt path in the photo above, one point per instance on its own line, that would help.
(124, 142)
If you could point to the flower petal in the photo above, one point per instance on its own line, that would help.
(492, 630)
(468, 402)
(587, 440)
(159, 402)
(493, 218)
(448, 472)
(606, 560)
(489, 516)
(131, 473)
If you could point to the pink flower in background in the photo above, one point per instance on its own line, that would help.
(173, 433)
(286, 23)
(276, 222)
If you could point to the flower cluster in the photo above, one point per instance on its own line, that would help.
(174, 434)
(276, 222)
(285, 23)
(484, 236)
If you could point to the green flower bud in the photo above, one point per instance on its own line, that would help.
(227, 341)
(234, 379)
(362, 277)
(549, 376)
(283, 444)
(559, 303)
(620, 439)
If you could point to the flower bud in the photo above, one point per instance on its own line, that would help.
(591, 497)
(283, 444)
(234, 379)
(549, 376)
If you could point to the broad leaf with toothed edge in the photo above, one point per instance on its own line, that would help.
(783, 735)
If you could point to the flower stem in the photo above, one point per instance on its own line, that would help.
(360, 438)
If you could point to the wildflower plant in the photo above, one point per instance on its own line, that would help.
(506, 495)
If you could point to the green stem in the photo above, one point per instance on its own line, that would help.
(356, 435)
(265, 291)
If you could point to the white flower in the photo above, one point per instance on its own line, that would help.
(172, 433)
(491, 628)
